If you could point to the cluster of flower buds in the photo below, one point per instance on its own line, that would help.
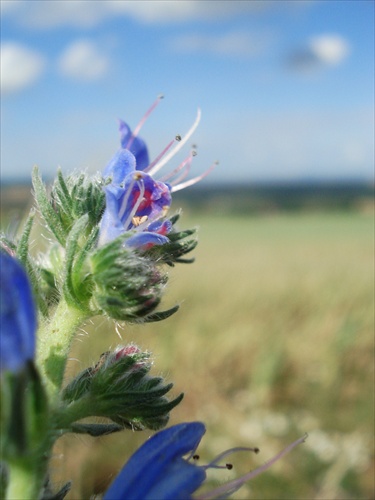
(120, 388)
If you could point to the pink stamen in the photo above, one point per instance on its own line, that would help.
(143, 120)
(184, 174)
(194, 180)
(182, 142)
(234, 485)
(150, 169)
(185, 163)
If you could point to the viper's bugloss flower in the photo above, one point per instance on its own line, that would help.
(17, 316)
(135, 200)
(164, 468)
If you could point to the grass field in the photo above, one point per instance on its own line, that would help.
(274, 338)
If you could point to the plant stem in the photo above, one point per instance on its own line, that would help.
(24, 482)
(54, 339)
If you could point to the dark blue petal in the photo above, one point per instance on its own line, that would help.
(137, 146)
(121, 165)
(17, 316)
(159, 462)
(161, 227)
(146, 238)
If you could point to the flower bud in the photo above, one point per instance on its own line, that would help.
(128, 286)
(120, 388)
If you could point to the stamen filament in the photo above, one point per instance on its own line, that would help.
(182, 142)
(143, 120)
(229, 452)
(234, 485)
(194, 180)
(160, 156)
(187, 161)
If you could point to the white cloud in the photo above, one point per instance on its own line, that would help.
(82, 60)
(20, 67)
(329, 49)
(320, 51)
(229, 44)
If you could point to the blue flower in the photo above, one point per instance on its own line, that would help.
(135, 201)
(159, 471)
(17, 316)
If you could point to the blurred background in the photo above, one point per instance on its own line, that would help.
(274, 337)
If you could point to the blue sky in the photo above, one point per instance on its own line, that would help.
(286, 88)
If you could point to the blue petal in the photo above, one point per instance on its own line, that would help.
(121, 165)
(17, 315)
(158, 463)
(179, 481)
(137, 146)
(146, 238)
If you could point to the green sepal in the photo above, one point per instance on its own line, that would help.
(78, 386)
(32, 269)
(50, 216)
(170, 253)
(160, 315)
(74, 292)
(96, 430)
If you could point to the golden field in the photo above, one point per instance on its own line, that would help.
(274, 338)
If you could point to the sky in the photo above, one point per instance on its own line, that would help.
(286, 88)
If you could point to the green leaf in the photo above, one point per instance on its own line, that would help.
(96, 430)
(52, 219)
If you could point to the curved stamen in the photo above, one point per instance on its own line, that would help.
(185, 163)
(184, 174)
(194, 180)
(232, 486)
(160, 156)
(228, 452)
(179, 145)
(143, 120)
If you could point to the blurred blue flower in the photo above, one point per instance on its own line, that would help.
(17, 316)
(158, 471)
